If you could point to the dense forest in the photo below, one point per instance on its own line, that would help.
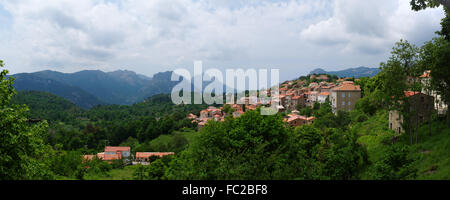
(43, 136)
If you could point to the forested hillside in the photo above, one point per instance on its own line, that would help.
(47, 106)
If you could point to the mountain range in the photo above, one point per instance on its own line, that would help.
(351, 72)
(90, 88)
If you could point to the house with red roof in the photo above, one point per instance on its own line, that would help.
(295, 120)
(322, 97)
(344, 97)
(115, 153)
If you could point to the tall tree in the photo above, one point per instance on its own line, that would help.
(398, 75)
(23, 153)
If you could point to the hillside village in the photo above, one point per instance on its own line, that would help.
(294, 95)
(341, 93)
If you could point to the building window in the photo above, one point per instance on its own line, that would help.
(390, 126)
(349, 95)
(343, 95)
(343, 103)
(349, 103)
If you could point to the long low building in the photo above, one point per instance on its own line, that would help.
(117, 153)
(145, 156)
(112, 153)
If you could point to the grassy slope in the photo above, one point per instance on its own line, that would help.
(372, 133)
(116, 174)
(165, 139)
(432, 152)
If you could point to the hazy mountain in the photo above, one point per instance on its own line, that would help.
(352, 72)
(91, 87)
(118, 87)
(31, 82)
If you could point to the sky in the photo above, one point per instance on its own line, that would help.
(295, 36)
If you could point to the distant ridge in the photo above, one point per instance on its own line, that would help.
(31, 82)
(351, 72)
(89, 88)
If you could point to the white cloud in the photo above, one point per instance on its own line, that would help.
(372, 26)
(152, 36)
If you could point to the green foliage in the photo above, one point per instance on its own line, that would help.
(429, 158)
(370, 103)
(262, 147)
(175, 142)
(228, 109)
(47, 106)
(23, 153)
(66, 163)
(341, 156)
(241, 148)
(445, 24)
(309, 139)
(395, 165)
(306, 111)
(358, 116)
(402, 63)
(423, 4)
(435, 56)
(399, 75)
(329, 120)
(431, 153)
(155, 171)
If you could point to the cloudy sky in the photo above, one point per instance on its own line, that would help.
(149, 36)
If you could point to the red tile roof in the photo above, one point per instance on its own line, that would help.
(115, 149)
(410, 93)
(324, 94)
(105, 156)
(151, 154)
(347, 87)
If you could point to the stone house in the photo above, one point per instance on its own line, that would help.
(419, 102)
